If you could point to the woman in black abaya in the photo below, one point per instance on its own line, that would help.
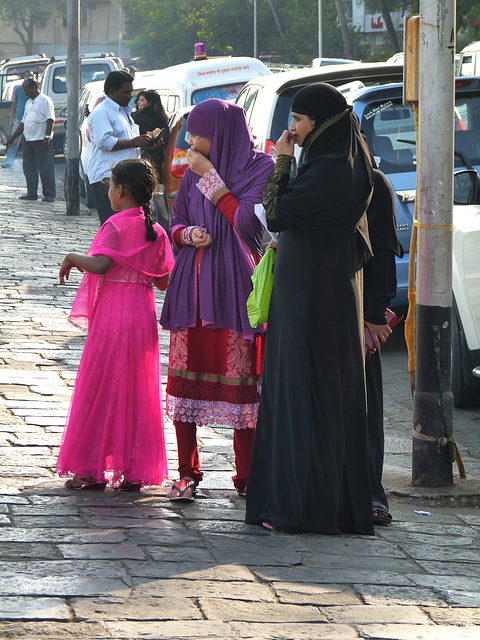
(309, 470)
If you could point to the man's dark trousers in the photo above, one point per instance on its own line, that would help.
(102, 201)
(39, 160)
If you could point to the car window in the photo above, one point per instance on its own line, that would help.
(250, 103)
(173, 103)
(59, 82)
(90, 73)
(390, 130)
(467, 129)
(94, 72)
(282, 114)
(242, 96)
(181, 141)
(225, 92)
(467, 66)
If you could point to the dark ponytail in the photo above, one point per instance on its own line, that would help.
(147, 210)
(138, 176)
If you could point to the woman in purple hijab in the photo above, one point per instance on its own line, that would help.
(215, 355)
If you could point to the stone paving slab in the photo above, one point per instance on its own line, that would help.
(415, 632)
(145, 609)
(21, 608)
(109, 565)
(289, 631)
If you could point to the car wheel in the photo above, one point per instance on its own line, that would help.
(464, 393)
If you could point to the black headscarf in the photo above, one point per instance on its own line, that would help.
(333, 187)
(320, 102)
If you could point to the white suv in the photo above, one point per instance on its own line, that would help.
(94, 67)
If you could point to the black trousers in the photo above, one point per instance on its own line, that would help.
(39, 160)
(102, 202)
(375, 433)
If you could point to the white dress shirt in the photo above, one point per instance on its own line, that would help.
(37, 111)
(108, 123)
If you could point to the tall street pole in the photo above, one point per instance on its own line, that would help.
(320, 28)
(433, 399)
(254, 28)
(73, 87)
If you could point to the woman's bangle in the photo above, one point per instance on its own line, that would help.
(186, 239)
(210, 184)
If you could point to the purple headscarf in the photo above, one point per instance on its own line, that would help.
(227, 264)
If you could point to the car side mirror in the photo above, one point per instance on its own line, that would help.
(466, 187)
(63, 112)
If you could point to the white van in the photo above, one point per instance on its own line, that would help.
(94, 67)
(185, 84)
(470, 60)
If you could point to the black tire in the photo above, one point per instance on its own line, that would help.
(465, 394)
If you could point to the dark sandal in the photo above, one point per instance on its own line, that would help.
(85, 484)
(381, 516)
(130, 487)
(181, 486)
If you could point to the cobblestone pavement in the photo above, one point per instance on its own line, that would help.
(137, 566)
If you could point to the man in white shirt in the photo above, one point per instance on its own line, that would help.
(37, 126)
(114, 136)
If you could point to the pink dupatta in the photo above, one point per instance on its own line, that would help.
(123, 239)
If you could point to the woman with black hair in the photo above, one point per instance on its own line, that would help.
(150, 115)
(309, 469)
(114, 431)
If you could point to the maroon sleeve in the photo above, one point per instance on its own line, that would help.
(228, 205)
(177, 236)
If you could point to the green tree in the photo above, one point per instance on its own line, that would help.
(23, 16)
(163, 33)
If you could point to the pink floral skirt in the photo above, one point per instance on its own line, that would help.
(213, 377)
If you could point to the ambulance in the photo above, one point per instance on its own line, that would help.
(186, 84)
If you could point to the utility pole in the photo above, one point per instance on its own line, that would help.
(433, 399)
(320, 29)
(254, 28)
(73, 87)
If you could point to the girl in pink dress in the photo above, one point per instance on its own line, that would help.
(114, 429)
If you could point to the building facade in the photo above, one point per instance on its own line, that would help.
(102, 24)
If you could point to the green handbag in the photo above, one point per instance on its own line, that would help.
(262, 279)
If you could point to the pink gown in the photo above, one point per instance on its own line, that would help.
(114, 429)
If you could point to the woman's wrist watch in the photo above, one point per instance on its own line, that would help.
(48, 137)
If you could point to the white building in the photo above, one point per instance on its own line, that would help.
(102, 23)
(372, 25)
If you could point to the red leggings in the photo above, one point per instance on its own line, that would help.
(189, 461)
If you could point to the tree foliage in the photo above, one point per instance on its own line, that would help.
(163, 33)
(23, 16)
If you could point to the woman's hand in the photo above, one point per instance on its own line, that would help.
(65, 269)
(198, 163)
(379, 333)
(271, 245)
(200, 238)
(285, 143)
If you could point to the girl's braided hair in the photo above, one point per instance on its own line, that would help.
(139, 177)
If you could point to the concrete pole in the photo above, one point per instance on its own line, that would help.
(254, 28)
(72, 195)
(320, 29)
(433, 399)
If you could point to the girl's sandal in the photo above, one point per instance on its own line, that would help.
(183, 486)
(130, 487)
(85, 484)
